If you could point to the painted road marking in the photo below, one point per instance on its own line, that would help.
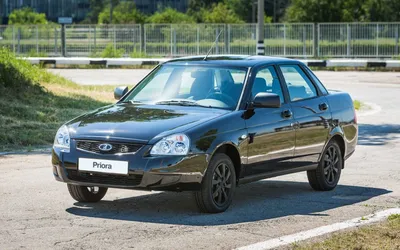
(289, 239)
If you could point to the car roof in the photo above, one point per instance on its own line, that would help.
(230, 60)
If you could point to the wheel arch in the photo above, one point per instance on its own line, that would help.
(232, 152)
(338, 137)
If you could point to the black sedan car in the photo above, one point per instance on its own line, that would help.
(209, 125)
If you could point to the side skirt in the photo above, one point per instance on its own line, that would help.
(257, 177)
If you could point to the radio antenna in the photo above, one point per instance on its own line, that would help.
(212, 46)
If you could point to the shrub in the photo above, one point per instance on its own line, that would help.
(110, 52)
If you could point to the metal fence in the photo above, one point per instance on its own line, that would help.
(171, 40)
(358, 39)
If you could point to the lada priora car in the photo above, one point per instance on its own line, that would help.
(208, 126)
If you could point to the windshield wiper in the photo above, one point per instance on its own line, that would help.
(179, 102)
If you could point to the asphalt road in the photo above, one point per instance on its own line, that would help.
(38, 213)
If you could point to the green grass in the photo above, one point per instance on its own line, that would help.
(35, 103)
(384, 235)
(357, 104)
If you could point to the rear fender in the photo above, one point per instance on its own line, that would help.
(337, 131)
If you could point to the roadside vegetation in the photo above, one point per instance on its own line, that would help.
(380, 236)
(230, 11)
(34, 102)
(357, 104)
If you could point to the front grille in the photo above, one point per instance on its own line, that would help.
(107, 179)
(117, 147)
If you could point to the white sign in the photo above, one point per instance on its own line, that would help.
(103, 166)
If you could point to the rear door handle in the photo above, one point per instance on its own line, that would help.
(287, 113)
(323, 106)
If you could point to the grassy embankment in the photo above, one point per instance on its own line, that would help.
(34, 102)
(380, 236)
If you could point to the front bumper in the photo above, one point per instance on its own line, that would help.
(174, 173)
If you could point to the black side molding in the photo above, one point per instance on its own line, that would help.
(257, 177)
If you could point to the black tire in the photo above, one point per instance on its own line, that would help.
(219, 180)
(86, 194)
(327, 174)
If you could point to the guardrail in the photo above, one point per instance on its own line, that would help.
(306, 40)
(373, 63)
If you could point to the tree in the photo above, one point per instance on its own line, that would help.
(96, 7)
(26, 16)
(343, 11)
(242, 8)
(382, 10)
(125, 12)
(169, 15)
(314, 11)
(220, 13)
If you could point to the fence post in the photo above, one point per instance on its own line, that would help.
(19, 40)
(90, 42)
(377, 39)
(316, 37)
(94, 39)
(55, 41)
(228, 39)
(396, 49)
(63, 40)
(284, 39)
(198, 40)
(348, 40)
(172, 45)
(304, 41)
(216, 43)
(115, 38)
(13, 38)
(143, 38)
(175, 42)
(37, 39)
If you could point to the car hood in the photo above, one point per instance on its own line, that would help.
(140, 123)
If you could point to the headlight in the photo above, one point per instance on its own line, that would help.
(62, 139)
(177, 144)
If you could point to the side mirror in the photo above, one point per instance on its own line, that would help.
(120, 92)
(266, 100)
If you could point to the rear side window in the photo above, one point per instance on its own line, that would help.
(299, 85)
(317, 81)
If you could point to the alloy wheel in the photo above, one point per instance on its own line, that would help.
(221, 184)
(331, 165)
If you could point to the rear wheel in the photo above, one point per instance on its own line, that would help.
(86, 194)
(327, 175)
(218, 185)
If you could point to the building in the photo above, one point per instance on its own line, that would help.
(78, 9)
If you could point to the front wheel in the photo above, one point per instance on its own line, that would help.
(218, 185)
(86, 194)
(327, 174)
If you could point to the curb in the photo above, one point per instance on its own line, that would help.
(319, 231)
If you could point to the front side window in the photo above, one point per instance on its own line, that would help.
(299, 85)
(210, 87)
(267, 81)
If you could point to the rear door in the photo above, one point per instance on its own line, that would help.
(271, 143)
(311, 115)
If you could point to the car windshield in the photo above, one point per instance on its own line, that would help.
(211, 87)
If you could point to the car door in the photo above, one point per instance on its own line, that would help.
(311, 114)
(272, 136)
